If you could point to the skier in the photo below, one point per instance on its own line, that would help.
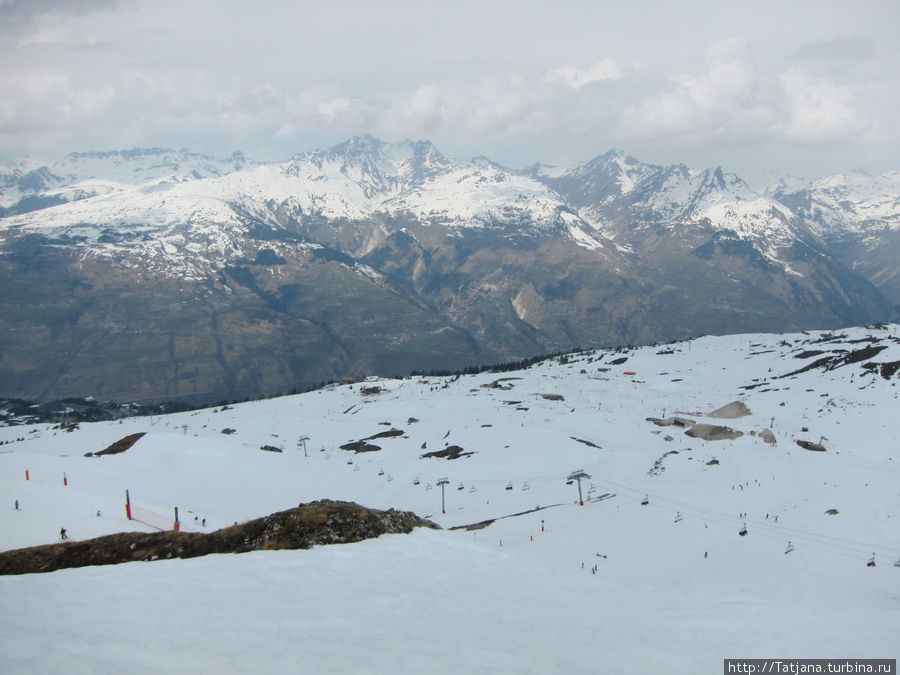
(17, 505)
(62, 533)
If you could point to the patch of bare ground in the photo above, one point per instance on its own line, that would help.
(120, 445)
(313, 524)
(450, 452)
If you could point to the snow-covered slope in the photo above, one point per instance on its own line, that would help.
(184, 213)
(845, 203)
(559, 587)
(613, 252)
(82, 175)
(858, 216)
(624, 197)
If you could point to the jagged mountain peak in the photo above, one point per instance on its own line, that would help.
(492, 262)
(363, 145)
(376, 166)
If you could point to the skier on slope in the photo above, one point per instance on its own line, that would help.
(62, 533)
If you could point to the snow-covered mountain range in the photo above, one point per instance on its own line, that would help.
(789, 439)
(461, 261)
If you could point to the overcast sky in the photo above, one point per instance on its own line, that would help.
(756, 86)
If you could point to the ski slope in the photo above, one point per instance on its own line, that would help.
(675, 588)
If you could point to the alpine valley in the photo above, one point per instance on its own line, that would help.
(158, 274)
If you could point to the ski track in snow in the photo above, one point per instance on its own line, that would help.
(509, 597)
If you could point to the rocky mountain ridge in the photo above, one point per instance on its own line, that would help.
(161, 274)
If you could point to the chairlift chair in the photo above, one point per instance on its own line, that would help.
(526, 486)
(743, 531)
(871, 562)
(509, 486)
(897, 562)
(645, 500)
(472, 489)
(570, 482)
(460, 486)
(790, 547)
(679, 517)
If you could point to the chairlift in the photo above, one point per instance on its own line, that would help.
(592, 489)
(790, 547)
(460, 487)
(743, 531)
(416, 481)
(526, 486)
(427, 486)
(509, 486)
(356, 467)
(645, 500)
(349, 461)
(678, 517)
(871, 562)
(897, 562)
(381, 472)
(390, 478)
(570, 482)
(473, 489)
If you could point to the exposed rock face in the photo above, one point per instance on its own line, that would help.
(313, 524)
(228, 281)
(731, 411)
(121, 445)
(809, 445)
(450, 452)
(711, 432)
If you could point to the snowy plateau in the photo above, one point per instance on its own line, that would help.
(651, 574)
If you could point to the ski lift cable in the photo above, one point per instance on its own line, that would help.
(807, 539)
(779, 532)
(733, 520)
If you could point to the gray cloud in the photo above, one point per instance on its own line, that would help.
(519, 81)
(855, 50)
(16, 14)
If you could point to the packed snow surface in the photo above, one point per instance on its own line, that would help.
(614, 585)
